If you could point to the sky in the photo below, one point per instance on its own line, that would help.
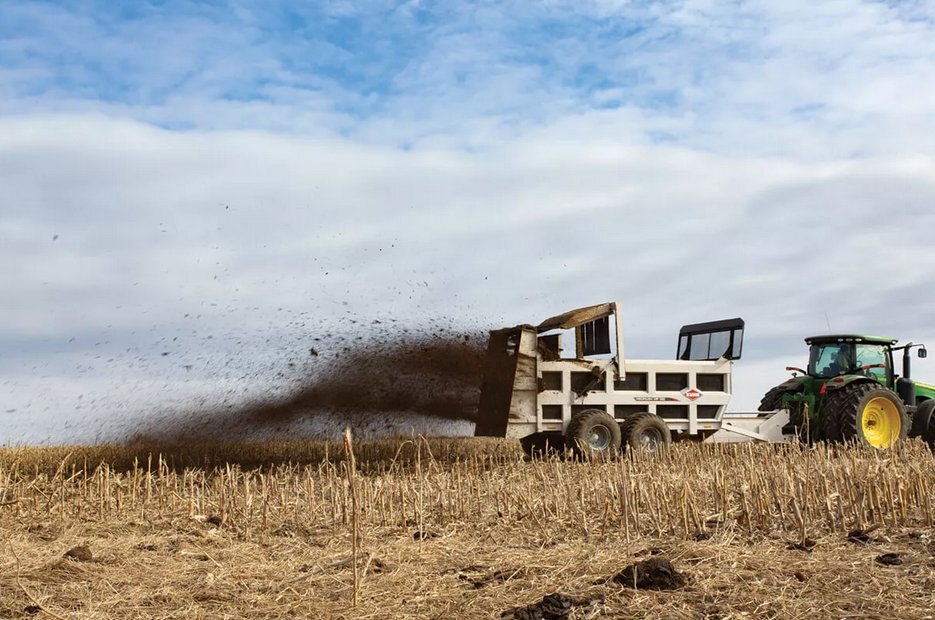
(191, 192)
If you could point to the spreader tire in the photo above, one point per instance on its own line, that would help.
(868, 414)
(647, 432)
(593, 431)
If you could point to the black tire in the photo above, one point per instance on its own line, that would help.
(593, 431)
(929, 436)
(772, 400)
(646, 431)
(828, 426)
(849, 407)
(921, 419)
(923, 423)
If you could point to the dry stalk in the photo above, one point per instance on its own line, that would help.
(35, 602)
(352, 481)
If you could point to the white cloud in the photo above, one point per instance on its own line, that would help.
(241, 246)
(490, 163)
(839, 79)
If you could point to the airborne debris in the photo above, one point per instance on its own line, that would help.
(434, 374)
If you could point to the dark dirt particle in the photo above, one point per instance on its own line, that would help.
(800, 576)
(555, 606)
(31, 610)
(889, 559)
(652, 574)
(423, 535)
(78, 554)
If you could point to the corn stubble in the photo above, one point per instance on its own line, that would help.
(461, 528)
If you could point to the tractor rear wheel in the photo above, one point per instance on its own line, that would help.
(923, 423)
(593, 431)
(646, 431)
(868, 414)
(828, 425)
(772, 400)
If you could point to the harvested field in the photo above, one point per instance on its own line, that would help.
(466, 529)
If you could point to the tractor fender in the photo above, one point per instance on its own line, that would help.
(839, 382)
(793, 384)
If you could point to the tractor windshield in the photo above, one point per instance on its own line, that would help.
(873, 361)
(831, 359)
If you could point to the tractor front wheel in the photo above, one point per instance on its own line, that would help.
(868, 414)
(593, 431)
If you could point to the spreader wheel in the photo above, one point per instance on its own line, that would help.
(593, 431)
(645, 431)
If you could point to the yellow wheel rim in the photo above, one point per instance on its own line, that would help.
(880, 422)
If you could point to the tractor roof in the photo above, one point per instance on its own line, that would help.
(850, 338)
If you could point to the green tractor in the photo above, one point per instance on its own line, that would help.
(851, 393)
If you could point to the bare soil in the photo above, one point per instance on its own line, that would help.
(726, 532)
(188, 568)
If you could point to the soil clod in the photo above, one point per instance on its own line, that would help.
(652, 574)
(78, 554)
(555, 606)
(859, 536)
(889, 559)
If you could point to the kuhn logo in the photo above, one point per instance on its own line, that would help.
(692, 394)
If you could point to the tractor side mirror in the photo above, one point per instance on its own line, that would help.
(923, 353)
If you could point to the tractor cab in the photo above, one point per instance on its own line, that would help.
(842, 355)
